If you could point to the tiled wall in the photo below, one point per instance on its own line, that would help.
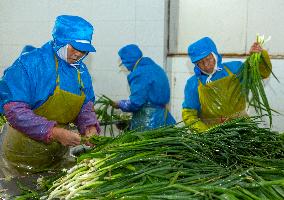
(116, 22)
(232, 24)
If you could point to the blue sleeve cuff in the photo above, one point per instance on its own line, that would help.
(127, 106)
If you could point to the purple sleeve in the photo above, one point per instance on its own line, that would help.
(87, 118)
(127, 106)
(22, 118)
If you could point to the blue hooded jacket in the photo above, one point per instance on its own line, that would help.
(149, 87)
(197, 51)
(148, 82)
(27, 49)
(32, 77)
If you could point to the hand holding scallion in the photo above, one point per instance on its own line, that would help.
(251, 79)
(256, 48)
(115, 104)
(89, 133)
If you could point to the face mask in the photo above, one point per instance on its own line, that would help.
(119, 62)
(62, 53)
(121, 66)
(123, 69)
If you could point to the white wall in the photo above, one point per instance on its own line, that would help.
(232, 24)
(116, 23)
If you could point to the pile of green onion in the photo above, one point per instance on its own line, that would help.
(235, 160)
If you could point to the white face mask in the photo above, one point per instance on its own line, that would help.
(62, 53)
(119, 62)
(123, 70)
(121, 66)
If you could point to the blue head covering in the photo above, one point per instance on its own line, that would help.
(73, 30)
(129, 55)
(27, 49)
(200, 49)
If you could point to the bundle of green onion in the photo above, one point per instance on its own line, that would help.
(106, 114)
(235, 160)
(2, 120)
(252, 80)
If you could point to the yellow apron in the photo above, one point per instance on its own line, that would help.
(221, 100)
(26, 154)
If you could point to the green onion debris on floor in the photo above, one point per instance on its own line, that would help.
(235, 160)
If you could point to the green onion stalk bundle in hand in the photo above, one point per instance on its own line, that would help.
(252, 83)
(106, 115)
(2, 120)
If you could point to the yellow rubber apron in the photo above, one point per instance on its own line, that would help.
(221, 100)
(26, 154)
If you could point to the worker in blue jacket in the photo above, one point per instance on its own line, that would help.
(213, 94)
(149, 88)
(43, 91)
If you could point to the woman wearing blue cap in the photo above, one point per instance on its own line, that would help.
(43, 91)
(150, 91)
(213, 94)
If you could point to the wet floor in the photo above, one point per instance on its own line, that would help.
(9, 188)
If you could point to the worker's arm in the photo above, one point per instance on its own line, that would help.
(190, 118)
(87, 121)
(191, 105)
(139, 85)
(265, 66)
(22, 118)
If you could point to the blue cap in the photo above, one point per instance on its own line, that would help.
(129, 55)
(79, 45)
(75, 31)
(201, 48)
